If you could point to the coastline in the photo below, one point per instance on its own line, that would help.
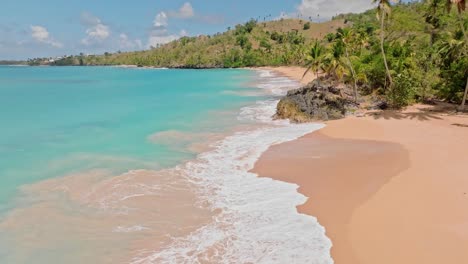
(385, 186)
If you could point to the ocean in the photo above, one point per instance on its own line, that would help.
(130, 165)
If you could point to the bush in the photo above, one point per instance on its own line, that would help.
(454, 79)
(307, 26)
(403, 90)
(243, 41)
(249, 26)
(265, 44)
(275, 36)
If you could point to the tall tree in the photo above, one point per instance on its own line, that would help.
(314, 60)
(333, 64)
(461, 6)
(383, 10)
(346, 37)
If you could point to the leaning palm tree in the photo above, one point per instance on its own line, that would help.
(384, 9)
(461, 6)
(345, 37)
(314, 60)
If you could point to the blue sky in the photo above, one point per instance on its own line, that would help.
(33, 28)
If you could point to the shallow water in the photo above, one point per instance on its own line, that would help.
(58, 120)
(155, 169)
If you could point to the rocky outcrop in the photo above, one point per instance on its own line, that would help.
(319, 100)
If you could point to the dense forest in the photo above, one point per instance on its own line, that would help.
(406, 52)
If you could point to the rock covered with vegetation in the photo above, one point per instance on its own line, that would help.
(319, 100)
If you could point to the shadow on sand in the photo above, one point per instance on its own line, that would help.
(393, 114)
(420, 113)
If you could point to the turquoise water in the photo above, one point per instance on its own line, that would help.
(60, 120)
(190, 204)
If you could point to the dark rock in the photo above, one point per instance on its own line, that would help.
(382, 105)
(319, 100)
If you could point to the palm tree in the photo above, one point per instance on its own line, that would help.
(333, 63)
(461, 6)
(384, 9)
(345, 37)
(362, 41)
(314, 60)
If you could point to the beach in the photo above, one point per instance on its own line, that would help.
(389, 187)
(292, 72)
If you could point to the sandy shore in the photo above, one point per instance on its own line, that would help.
(389, 187)
(293, 72)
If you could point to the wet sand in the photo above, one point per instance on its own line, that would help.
(389, 187)
(293, 72)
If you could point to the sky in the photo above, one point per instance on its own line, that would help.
(49, 28)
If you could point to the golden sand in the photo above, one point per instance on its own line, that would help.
(390, 187)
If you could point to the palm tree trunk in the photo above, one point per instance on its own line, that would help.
(353, 73)
(317, 76)
(462, 106)
(460, 20)
(382, 37)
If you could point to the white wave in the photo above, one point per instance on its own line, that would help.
(276, 85)
(258, 222)
(15, 65)
(264, 73)
(261, 112)
(140, 67)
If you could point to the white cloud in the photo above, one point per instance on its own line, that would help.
(185, 11)
(160, 20)
(41, 35)
(160, 34)
(183, 33)
(96, 32)
(126, 43)
(159, 37)
(326, 9)
(88, 19)
(156, 40)
(99, 32)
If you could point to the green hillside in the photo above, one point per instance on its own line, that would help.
(281, 42)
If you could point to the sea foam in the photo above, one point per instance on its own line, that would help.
(257, 220)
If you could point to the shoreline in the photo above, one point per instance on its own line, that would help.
(384, 186)
(293, 72)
